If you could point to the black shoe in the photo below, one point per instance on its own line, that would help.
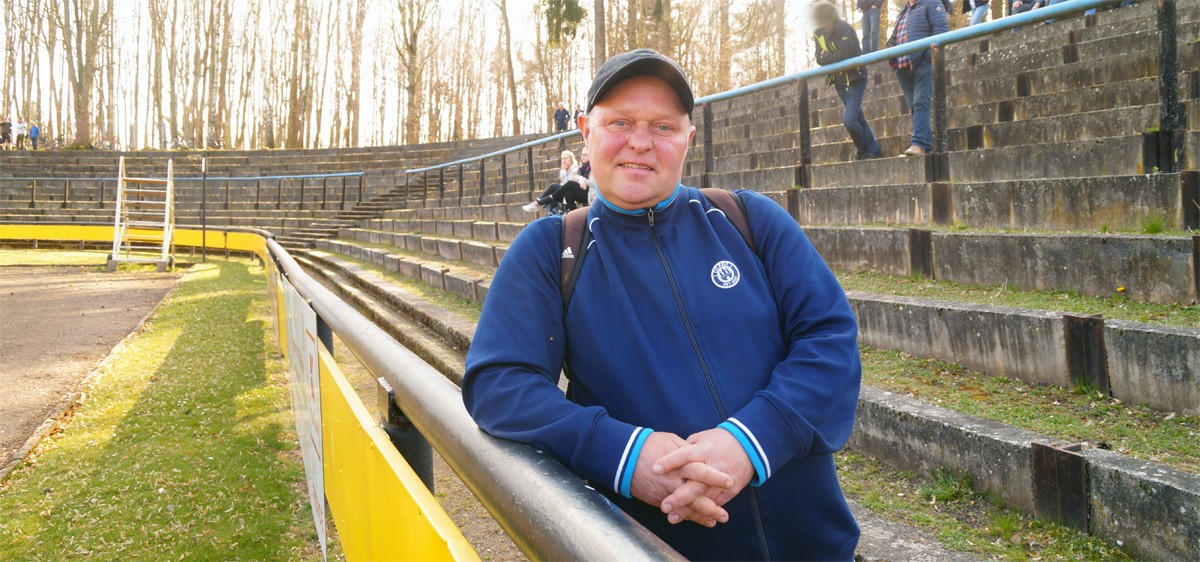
(860, 154)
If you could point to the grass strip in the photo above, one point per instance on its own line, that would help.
(1078, 414)
(1116, 307)
(184, 449)
(9, 256)
(962, 519)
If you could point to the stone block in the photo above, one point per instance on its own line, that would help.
(1117, 202)
(495, 213)
(913, 435)
(463, 229)
(433, 276)
(445, 228)
(500, 251)
(1149, 509)
(508, 231)
(449, 249)
(1154, 365)
(877, 250)
(1012, 342)
(485, 231)
(458, 285)
(410, 269)
(882, 204)
(478, 253)
(429, 246)
(1150, 268)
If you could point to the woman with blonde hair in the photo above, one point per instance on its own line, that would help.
(570, 192)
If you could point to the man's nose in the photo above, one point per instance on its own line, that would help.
(639, 138)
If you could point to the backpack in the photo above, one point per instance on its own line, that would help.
(576, 237)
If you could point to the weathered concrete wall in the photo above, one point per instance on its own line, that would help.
(1150, 268)
(915, 435)
(1146, 507)
(1013, 342)
(863, 249)
(1154, 365)
(883, 204)
(1121, 202)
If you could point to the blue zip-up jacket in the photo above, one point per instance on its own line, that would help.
(925, 18)
(676, 325)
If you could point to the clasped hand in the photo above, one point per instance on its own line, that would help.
(692, 479)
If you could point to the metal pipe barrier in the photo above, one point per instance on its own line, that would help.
(547, 510)
(937, 170)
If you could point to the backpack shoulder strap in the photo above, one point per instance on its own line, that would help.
(574, 243)
(735, 210)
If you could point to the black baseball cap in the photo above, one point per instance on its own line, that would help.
(641, 62)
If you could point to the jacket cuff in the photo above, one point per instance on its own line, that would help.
(603, 458)
(624, 479)
(758, 459)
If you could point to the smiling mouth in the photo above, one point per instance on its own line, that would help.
(637, 166)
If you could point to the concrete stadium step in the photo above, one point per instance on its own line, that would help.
(998, 457)
(434, 247)
(466, 282)
(1152, 268)
(1119, 203)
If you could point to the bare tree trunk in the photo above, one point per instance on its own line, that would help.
(83, 24)
(724, 49)
(512, 73)
(601, 54)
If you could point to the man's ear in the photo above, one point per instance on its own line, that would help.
(584, 126)
(691, 134)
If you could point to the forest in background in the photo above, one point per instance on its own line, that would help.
(344, 73)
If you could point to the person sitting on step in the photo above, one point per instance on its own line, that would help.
(836, 42)
(569, 193)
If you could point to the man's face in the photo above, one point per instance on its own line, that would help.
(637, 136)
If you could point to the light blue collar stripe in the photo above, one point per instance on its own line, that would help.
(639, 212)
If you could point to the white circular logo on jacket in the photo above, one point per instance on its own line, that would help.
(725, 275)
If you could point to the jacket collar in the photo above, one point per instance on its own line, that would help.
(662, 211)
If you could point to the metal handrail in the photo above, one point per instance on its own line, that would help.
(1069, 7)
(548, 511)
(198, 178)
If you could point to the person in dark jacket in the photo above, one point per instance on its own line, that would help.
(709, 381)
(977, 8)
(870, 24)
(1022, 6)
(561, 117)
(918, 19)
(836, 42)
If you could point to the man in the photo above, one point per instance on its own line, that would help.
(918, 19)
(698, 364)
(577, 114)
(836, 42)
(19, 132)
(561, 116)
(1021, 6)
(34, 133)
(870, 24)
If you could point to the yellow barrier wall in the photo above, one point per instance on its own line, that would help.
(380, 507)
(383, 510)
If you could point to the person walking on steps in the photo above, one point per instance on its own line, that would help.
(35, 132)
(569, 193)
(918, 19)
(836, 42)
(870, 24)
(977, 8)
(711, 355)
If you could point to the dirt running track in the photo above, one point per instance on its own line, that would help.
(56, 323)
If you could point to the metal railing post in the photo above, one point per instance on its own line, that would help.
(461, 182)
(709, 159)
(1169, 141)
(301, 194)
(361, 178)
(257, 193)
(532, 180)
(33, 194)
(804, 171)
(482, 179)
(503, 174)
(66, 193)
(101, 194)
(940, 141)
(279, 195)
(425, 185)
(441, 183)
(404, 436)
(343, 193)
(226, 195)
(324, 193)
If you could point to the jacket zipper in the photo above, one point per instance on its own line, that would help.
(712, 387)
(687, 324)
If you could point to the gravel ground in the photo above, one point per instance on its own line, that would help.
(56, 323)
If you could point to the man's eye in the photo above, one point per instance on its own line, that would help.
(664, 128)
(620, 123)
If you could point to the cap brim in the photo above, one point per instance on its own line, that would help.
(649, 66)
